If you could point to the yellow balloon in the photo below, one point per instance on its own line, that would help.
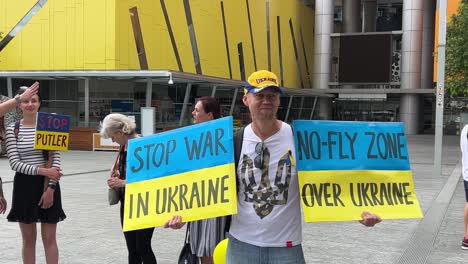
(219, 254)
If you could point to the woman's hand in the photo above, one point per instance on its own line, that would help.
(47, 199)
(369, 219)
(115, 182)
(30, 92)
(175, 223)
(51, 173)
(3, 205)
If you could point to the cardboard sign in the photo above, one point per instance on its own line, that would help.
(346, 168)
(187, 172)
(52, 132)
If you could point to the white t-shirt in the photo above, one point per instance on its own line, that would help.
(464, 150)
(269, 213)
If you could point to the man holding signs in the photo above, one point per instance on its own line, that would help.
(268, 224)
(204, 234)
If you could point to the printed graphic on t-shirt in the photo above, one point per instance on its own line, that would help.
(264, 195)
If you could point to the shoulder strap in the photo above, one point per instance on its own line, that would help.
(117, 161)
(187, 234)
(238, 138)
(16, 129)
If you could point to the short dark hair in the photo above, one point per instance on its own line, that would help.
(210, 105)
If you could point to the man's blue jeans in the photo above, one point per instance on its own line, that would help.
(242, 253)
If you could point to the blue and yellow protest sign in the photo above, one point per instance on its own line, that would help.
(187, 172)
(346, 168)
(52, 132)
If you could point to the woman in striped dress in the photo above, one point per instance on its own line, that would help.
(204, 234)
(36, 191)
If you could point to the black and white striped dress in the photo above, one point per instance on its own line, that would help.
(28, 186)
(206, 234)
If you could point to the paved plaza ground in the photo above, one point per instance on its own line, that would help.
(92, 234)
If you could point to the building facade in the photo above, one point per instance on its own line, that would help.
(365, 60)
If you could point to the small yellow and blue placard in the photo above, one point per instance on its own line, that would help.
(187, 171)
(346, 168)
(52, 132)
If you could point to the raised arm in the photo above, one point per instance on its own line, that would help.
(12, 103)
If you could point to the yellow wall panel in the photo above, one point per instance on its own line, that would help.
(208, 24)
(59, 40)
(308, 21)
(178, 21)
(237, 26)
(155, 34)
(89, 34)
(77, 35)
(70, 43)
(127, 57)
(95, 37)
(259, 32)
(63, 35)
(285, 11)
(10, 13)
(110, 57)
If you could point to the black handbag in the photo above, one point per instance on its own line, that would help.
(186, 256)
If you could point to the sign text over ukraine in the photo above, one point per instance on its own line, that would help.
(187, 172)
(346, 168)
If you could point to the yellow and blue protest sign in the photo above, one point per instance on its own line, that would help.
(346, 168)
(52, 132)
(187, 171)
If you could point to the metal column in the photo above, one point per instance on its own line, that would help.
(213, 91)
(9, 87)
(351, 15)
(86, 102)
(313, 108)
(149, 92)
(427, 61)
(289, 108)
(184, 106)
(411, 64)
(301, 106)
(234, 98)
(324, 11)
(440, 87)
(369, 12)
(351, 22)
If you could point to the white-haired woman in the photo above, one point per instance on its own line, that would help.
(121, 129)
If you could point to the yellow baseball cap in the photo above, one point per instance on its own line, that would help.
(260, 80)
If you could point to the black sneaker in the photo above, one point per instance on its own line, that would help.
(465, 243)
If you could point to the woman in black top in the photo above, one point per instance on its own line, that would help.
(207, 233)
(121, 129)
